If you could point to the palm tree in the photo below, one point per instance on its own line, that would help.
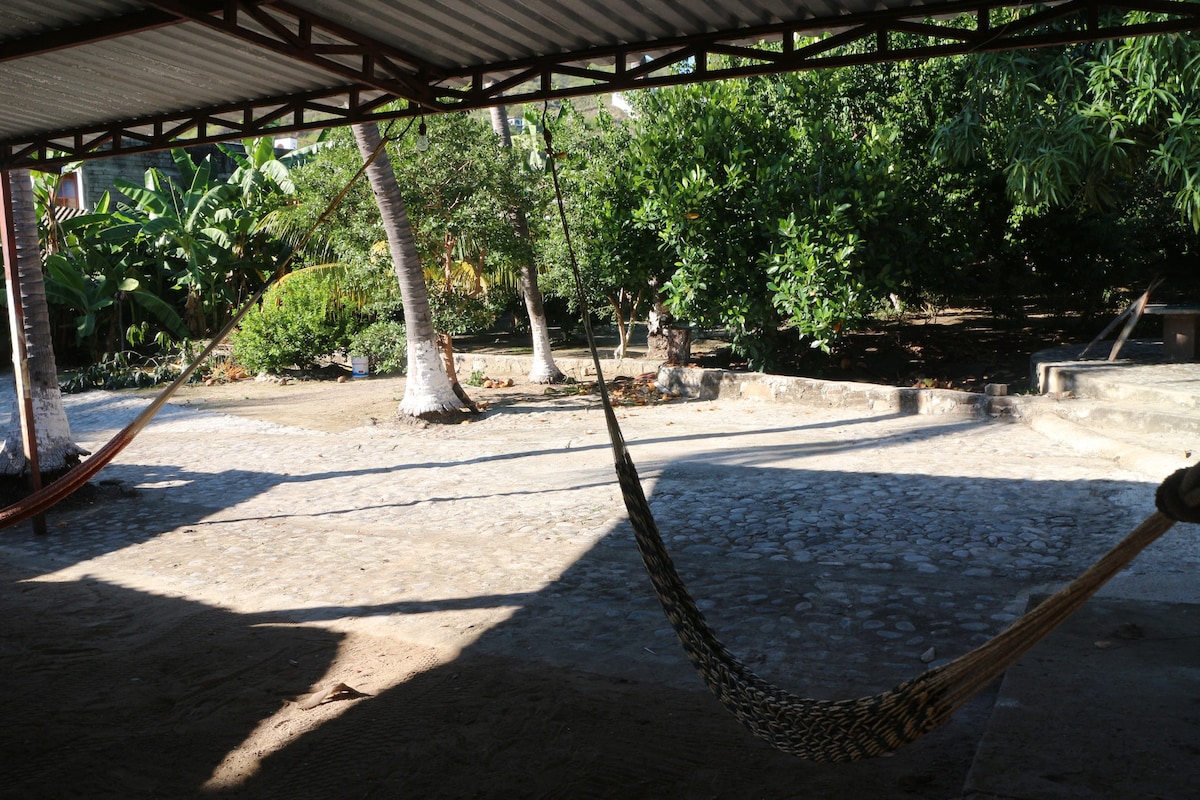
(56, 451)
(428, 392)
(543, 369)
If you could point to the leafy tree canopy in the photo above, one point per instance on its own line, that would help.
(1082, 125)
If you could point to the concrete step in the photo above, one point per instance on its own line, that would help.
(1142, 376)
(1157, 427)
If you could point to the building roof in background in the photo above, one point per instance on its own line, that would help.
(80, 78)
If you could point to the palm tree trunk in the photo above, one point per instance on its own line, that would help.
(56, 451)
(427, 391)
(543, 370)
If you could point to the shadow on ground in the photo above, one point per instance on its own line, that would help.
(113, 692)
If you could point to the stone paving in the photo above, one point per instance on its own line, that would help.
(835, 550)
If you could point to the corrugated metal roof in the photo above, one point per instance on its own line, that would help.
(82, 75)
(168, 69)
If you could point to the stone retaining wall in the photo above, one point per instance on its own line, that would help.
(710, 384)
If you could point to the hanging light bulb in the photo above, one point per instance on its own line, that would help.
(422, 143)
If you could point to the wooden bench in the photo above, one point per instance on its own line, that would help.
(1181, 329)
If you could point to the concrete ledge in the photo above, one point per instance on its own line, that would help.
(1141, 375)
(711, 384)
(1152, 463)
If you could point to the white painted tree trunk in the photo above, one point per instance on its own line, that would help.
(55, 449)
(543, 369)
(427, 391)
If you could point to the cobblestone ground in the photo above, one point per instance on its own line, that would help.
(835, 551)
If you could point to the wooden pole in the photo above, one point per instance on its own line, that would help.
(1129, 309)
(1135, 314)
(20, 356)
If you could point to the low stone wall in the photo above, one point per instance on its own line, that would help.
(710, 384)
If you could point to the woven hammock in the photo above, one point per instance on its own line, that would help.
(848, 730)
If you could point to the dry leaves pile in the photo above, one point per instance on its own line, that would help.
(622, 391)
(640, 391)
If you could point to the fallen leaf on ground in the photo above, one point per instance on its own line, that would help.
(339, 691)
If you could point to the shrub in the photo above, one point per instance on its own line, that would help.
(385, 343)
(300, 320)
(126, 369)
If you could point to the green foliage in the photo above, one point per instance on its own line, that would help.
(788, 209)
(617, 259)
(98, 272)
(188, 226)
(96, 268)
(1076, 125)
(178, 254)
(213, 239)
(794, 202)
(476, 378)
(813, 279)
(458, 193)
(385, 343)
(300, 320)
(458, 313)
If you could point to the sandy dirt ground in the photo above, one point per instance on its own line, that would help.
(321, 405)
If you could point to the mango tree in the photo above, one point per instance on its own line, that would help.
(619, 261)
(543, 368)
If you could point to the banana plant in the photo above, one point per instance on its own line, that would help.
(214, 237)
(94, 273)
(191, 225)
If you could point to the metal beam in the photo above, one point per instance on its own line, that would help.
(1078, 21)
(303, 36)
(343, 105)
(898, 35)
(105, 29)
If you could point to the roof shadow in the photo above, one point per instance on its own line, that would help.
(583, 691)
(113, 692)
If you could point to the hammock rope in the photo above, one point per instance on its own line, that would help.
(74, 479)
(849, 730)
